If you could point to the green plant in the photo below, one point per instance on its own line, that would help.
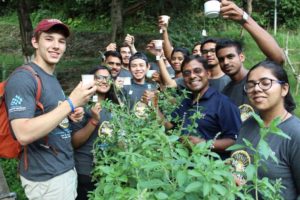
(141, 161)
(261, 153)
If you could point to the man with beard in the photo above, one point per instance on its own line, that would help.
(113, 60)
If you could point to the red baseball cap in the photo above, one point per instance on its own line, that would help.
(47, 24)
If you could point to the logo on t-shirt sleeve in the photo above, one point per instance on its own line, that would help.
(15, 104)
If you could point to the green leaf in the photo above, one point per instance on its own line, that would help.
(259, 120)
(161, 195)
(250, 171)
(173, 138)
(220, 189)
(193, 187)
(151, 184)
(235, 147)
(181, 177)
(194, 173)
(264, 149)
(206, 188)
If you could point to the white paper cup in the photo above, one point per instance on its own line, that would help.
(158, 44)
(87, 79)
(150, 73)
(165, 19)
(124, 80)
(212, 8)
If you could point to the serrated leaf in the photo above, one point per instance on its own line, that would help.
(173, 138)
(151, 184)
(264, 149)
(181, 177)
(193, 187)
(195, 173)
(161, 195)
(220, 189)
(259, 120)
(235, 147)
(250, 171)
(206, 188)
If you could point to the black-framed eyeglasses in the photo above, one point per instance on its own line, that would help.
(102, 78)
(187, 73)
(206, 51)
(264, 84)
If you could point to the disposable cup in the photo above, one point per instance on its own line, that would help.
(165, 19)
(87, 79)
(212, 8)
(158, 44)
(150, 73)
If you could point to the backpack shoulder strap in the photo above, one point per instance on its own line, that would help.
(39, 85)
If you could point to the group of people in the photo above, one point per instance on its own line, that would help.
(59, 140)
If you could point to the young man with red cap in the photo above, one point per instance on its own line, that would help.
(46, 164)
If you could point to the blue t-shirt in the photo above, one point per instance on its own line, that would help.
(219, 115)
(43, 162)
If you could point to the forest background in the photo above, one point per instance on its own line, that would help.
(96, 23)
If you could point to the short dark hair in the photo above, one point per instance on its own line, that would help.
(225, 42)
(138, 55)
(208, 40)
(278, 71)
(198, 58)
(113, 54)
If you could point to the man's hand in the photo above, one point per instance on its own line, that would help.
(195, 140)
(129, 40)
(82, 94)
(111, 47)
(229, 10)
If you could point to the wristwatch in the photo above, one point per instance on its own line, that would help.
(245, 17)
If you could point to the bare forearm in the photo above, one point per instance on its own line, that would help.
(220, 145)
(165, 75)
(81, 136)
(167, 46)
(265, 41)
(30, 130)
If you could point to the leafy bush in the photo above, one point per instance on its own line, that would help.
(141, 161)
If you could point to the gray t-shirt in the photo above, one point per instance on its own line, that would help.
(235, 91)
(134, 92)
(83, 154)
(287, 151)
(125, 73)
(219, 83)
(43, 162)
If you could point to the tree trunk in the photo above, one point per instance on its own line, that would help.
(25, 29)
(117, 20)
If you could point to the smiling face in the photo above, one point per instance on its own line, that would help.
(139, 69)
(269, 99)
(102, 78)
(195, 76)
(115, 65)
(230, 61)
(176, 60)
(197, 50)
(50, 47)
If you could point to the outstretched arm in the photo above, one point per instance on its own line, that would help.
(264, 40)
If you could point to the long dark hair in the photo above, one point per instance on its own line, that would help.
(278, 71)
(111, 94)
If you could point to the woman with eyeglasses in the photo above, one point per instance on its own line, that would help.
(268, 90)
(85, 132)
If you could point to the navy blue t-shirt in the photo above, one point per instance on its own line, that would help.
(219, 115)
